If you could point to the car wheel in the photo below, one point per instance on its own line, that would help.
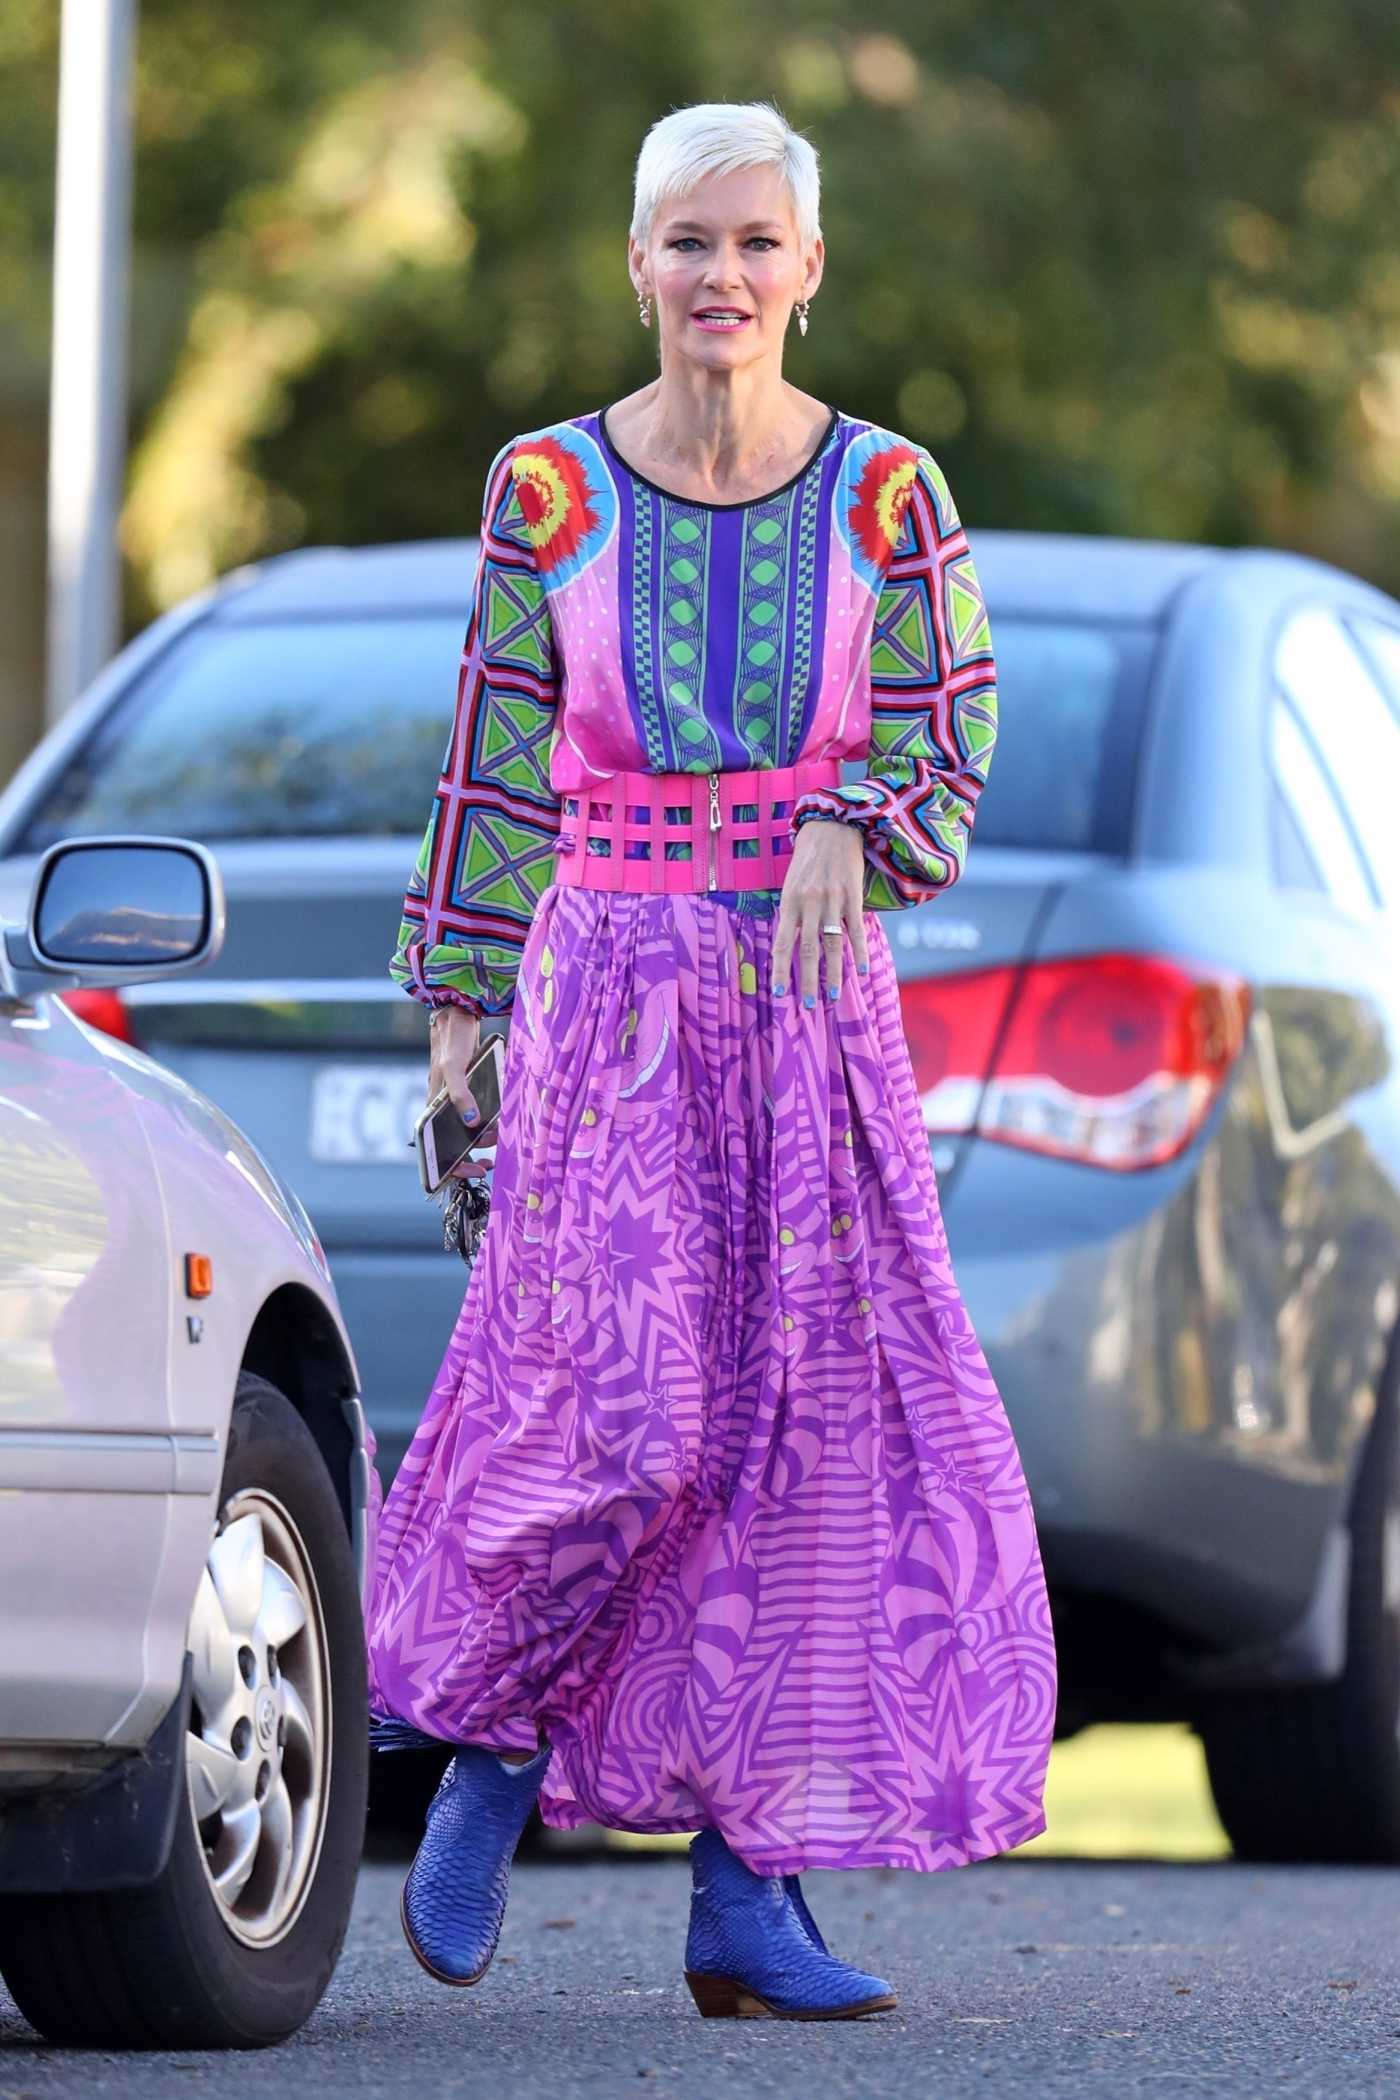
(235, 1943)
(1312, 1772)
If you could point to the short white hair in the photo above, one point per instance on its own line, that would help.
(715, 138)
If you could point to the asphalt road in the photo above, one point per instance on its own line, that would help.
(1029, 1977)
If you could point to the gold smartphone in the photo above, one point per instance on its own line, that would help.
(442, 1139)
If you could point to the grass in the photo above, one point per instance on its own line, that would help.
(1124, 1792)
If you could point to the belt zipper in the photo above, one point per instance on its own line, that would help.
(714, 822)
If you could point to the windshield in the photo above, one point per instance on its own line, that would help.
(336, 727)
(284, 729)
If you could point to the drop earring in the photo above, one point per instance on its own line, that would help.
(802, 316)
(644, 308)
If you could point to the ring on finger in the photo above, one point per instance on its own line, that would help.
(831, 929)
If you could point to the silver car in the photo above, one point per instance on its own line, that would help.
(188, 1504)
(1154, 1028)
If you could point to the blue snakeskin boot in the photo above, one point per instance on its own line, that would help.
(455, 1896)
(752, 1951)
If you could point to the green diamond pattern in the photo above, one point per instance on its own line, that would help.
(966, 612)
(512, 726)
(516, 621)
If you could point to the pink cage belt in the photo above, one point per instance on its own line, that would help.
(736, 824)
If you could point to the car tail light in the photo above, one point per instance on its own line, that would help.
(1111, 1059)
(104, 1009)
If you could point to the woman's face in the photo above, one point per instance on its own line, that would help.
(724, 266)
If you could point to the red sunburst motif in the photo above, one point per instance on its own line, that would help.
(555, 499)
(882, 497)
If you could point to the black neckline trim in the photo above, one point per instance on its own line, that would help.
(696, 502)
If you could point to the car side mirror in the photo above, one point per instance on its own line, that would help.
(107, 911)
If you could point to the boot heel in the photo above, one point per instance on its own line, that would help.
(721, 1998)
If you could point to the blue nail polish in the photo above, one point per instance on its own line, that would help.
(469, 1116)
(809, 998)
(833, 991)
(780, 991)
(864, 969)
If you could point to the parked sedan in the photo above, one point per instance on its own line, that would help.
(1153, 1027)
(189, 1504)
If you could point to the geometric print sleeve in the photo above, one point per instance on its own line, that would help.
(488, 852)
(933, 708)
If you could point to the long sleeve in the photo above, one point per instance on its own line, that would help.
(933, 709)
(488, 852)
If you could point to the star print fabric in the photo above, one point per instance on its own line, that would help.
(714, 1488)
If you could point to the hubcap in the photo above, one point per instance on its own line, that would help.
(257, 1754)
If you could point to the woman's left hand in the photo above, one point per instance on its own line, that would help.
(824, 886)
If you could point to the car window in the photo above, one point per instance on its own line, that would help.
(1294, 866)
(316, 727)
(337, 727)
(1069, 724)
(1354, 733)
(1381, 644)
(1315, 810)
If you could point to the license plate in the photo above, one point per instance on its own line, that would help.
(363, 1115)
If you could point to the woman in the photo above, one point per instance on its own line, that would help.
(714, 1521)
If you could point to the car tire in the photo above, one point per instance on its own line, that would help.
(1311, 1773)
(201, 1958)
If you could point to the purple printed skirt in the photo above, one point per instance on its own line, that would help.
(714, 1487)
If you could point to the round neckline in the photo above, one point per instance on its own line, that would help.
(698, 502)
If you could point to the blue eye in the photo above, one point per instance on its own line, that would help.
(690, 240)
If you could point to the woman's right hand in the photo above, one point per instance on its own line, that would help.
(453, 1044)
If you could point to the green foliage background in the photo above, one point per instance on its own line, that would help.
(1126, 266)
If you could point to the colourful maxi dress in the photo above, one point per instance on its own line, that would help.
(714, 1488)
